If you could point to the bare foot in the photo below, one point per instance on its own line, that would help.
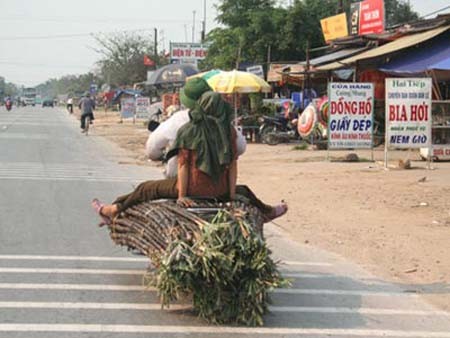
(105, 211)
(110, 210)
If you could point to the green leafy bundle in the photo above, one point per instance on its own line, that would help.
(227, 270)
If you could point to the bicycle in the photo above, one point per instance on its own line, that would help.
(87, 122)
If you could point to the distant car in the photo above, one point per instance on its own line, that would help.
(47, 103)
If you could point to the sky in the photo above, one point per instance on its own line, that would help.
(42, 39)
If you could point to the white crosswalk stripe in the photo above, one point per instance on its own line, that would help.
(67, 172)
(23, 268)
(65, 296)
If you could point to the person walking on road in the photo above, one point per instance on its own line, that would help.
(87, 106)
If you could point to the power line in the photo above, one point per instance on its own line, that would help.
(435, 12)
(44, 37)
(72, 20)
(64, 36)
(26, 64)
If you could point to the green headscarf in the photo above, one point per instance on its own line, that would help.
(209, 134)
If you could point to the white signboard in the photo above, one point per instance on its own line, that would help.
(257, 70)
(350, 122)
(180, 51)
(408, 112)
(142, 107)
(127, 108)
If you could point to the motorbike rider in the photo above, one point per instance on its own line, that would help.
(8, 103)
(87, 106)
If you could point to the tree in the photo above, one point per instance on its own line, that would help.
(123, 55)
(68, 84)
(251, 26)
(399, 12)
(302, 26)
(7, 88)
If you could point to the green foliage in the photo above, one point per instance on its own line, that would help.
(301, 146)
(399, 12)
(228, 271)
(7, 88)
(237, 13)
(73, 85)
(250, 27)
(256, 102)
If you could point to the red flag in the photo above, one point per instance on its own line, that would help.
(148, 61)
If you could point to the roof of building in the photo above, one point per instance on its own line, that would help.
(388, 48)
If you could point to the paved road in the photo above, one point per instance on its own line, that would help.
(61, 276)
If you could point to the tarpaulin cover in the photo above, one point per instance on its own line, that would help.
(130, 92)
(432, 56)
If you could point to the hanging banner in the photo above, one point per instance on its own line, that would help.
(334, 27)
(127, 107)
(408, 112)
(142, 107)
(350, 120)
(371, 17)
(354, 18)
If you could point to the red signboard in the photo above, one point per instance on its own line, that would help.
(371, 18)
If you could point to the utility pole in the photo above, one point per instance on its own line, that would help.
(238, 59)
(204, 22)
(341, 6)
(193, 26)
(156, 42)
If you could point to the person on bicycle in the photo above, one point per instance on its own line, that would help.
(87, 106)
(70, 105)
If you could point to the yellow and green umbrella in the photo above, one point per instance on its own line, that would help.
(234, 81)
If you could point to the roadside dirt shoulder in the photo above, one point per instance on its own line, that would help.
(395, 223)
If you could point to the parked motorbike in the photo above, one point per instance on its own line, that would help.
(277, 129)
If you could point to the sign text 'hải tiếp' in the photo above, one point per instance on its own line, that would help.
(408, 112)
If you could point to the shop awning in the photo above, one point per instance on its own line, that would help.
(276, 69)
(433, 56)
(391, 47)
(343, 53)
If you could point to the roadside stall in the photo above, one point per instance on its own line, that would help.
(440, 132)
(431, 60)
(388, 61)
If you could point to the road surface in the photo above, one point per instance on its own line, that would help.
(61, 276)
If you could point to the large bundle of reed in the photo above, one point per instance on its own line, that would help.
(214, 252)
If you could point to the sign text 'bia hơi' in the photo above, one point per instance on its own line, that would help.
(351, 115)
(408, 112)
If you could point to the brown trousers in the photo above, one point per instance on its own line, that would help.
(153, 190)
(148, 191)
